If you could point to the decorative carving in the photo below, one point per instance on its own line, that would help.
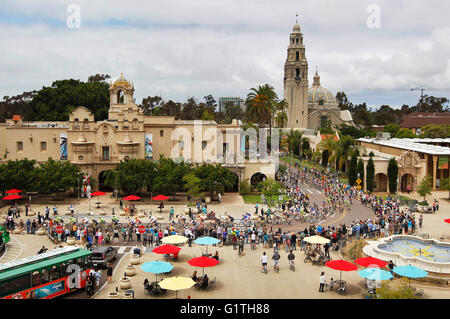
(407, 165)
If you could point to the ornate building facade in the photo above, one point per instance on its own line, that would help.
(98, 146)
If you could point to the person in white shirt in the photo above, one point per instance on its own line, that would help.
(263, 260)
(322, 281)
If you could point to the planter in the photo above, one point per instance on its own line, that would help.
(130, 270)
(135, 259)
(30, 213)
(17, 231)
(71, 241)
(122, 213)
(160, 216)
(41, 231)
(113, 295)
(127, 295)
(125, 283)
(102, 212)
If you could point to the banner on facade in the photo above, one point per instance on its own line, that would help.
(63, 146)
(149, 146)
(443, 162)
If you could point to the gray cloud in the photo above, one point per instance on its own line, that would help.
(193, 48)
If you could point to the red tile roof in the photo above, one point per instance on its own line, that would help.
(16, 118)
(327, 136)
(417, 120)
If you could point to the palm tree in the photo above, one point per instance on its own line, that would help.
(261, 104)
(329, 145)
(344, 149)
(294, 139)
(281, 116)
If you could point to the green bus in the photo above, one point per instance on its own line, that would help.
(47, 275)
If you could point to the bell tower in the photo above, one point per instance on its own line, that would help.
(296, 80)
(120, 96)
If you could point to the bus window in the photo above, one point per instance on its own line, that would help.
(15, 284)
(54, 273)
(36, 279)
(45, 276)
(62, 270)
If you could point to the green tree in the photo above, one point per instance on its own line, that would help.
(19, 174)
(435, 131)
(193, 184)
(262, 102)
(325, 156)
(392, 172)
(352, 170)
(52, 176)
(392, 129)
(360, 171)
(370, 175)
(425, 187)
(445, 184)
(269, 188)
(244, 188)
(405, 133)
(55, 103)
(215, 178)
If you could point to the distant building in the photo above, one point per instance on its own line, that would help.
(224, 100)
(414, 121)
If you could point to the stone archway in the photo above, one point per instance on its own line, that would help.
(406, 180)
(257, 178)
(408, 163)
(381, 183)
(235, 187)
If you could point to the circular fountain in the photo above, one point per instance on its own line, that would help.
(428, 254)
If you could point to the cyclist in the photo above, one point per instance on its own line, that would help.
(291, 258)
(276, 257)
(263, 260)
(253, 240)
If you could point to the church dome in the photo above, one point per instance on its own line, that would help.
(318, 93)
(296, 28)
(121, 81)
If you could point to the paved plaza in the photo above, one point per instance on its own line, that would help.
(238, 277)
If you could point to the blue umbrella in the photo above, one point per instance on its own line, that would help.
(206, 241)
(157, 267)
(375, 274)
(410, 272)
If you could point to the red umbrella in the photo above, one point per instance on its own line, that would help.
(447, 220)
(98, 193)
(166, 249)
(203, 262)
(341, 265)
(160, 197)
(131, 197)
(11, 197)
(371, 262)
(14, 191)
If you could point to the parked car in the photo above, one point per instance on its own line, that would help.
(101, 255)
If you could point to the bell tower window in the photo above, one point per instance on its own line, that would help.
(297, 74)
(320, 102)
(120, 97)
(297, 56)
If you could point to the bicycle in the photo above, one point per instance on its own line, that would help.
(421, 234)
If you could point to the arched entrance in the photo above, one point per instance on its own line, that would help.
(380, 183)
(235, 187)
(101, 182)
(257, 178)
(407, 180)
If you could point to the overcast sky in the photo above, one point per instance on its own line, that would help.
(183, 48)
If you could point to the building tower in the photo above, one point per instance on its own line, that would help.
(120, 95)
(296, 81)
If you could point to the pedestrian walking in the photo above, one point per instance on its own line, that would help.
(322, 281)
